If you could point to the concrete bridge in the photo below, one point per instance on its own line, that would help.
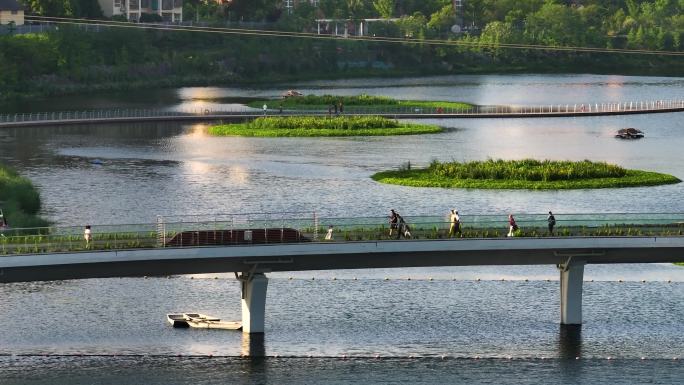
(238, 115)
(251, 257)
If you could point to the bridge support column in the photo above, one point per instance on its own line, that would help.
(571, 276)
(253, 302)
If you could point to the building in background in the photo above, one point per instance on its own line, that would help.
(11, 12)
(289, 5)
(168, 10)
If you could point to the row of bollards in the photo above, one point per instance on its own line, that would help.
(432, 279)
(343, 356)
(455, 279)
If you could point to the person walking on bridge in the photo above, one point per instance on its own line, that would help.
(403, 229)
(265, 107)
(455, 227)
(552, 222)
(87, 235)
(512, 226)
(393, 221)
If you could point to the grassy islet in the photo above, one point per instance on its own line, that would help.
(524, 174)
(309, 126)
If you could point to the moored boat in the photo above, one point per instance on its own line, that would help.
(201, 321)
(177, 320)
(629, 133)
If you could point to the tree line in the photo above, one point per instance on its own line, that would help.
(656, 24)
(71, 59)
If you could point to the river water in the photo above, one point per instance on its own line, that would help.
(113, 330)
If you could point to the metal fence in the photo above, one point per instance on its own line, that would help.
(143, 113)
(252, 229)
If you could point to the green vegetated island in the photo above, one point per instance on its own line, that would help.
(361, 102)
(310, 126)
(19, 200)
(524, 174)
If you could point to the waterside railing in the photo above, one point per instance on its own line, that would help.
(575, 109)
(253, 229)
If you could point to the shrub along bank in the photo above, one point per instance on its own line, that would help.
(524, 174)
(322, 126)
(19, 200)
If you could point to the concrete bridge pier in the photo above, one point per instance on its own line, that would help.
(571, 276)
(253, 287)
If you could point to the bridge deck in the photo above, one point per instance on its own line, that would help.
(349, 255)
(149, 115)
(243, 245)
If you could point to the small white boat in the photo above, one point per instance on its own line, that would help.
(177, 320)
(201, 321)
(199, 317)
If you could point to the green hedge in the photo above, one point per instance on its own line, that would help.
(19, 199)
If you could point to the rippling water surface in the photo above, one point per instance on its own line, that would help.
(113, 330)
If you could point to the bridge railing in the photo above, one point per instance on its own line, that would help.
(263, 229)
(146, 113)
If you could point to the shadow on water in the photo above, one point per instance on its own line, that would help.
(253, 346)
(253, 361)
(570, 341)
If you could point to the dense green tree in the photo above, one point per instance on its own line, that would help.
(385, 8)
(555, 24)
(443, 19)
(335, 9)
(72, 8)
(253, 10)
(413, 26)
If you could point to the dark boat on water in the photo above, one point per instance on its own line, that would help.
(629, 133)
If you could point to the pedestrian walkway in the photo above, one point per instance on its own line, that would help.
(238, 115)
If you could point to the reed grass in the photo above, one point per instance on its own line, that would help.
(524, 174)
(308, 126)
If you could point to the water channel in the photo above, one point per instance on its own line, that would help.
(176, 169)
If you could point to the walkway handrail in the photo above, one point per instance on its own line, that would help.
(311, 228)
(575, 109)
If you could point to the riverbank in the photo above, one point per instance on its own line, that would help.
(70, 61)
(300, 126)
(523, 174)
(19, 200)
(367, 102)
